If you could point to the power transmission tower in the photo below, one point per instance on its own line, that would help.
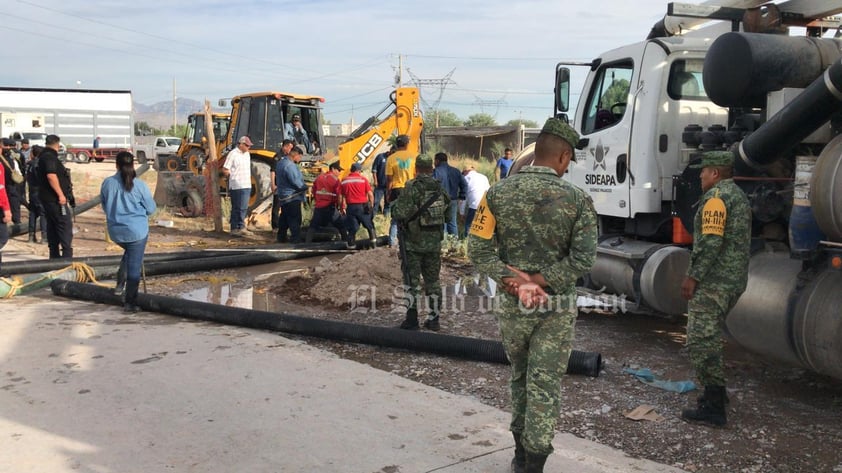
(482, 103)
(440, 83)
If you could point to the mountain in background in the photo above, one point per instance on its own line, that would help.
(159, 115)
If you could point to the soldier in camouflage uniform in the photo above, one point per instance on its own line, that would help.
(421, 233)
(717, 276)
(536, 234)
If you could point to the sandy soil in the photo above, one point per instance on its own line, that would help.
(781, 419)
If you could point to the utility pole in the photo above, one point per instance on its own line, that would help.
(174, 119)
(400, 71)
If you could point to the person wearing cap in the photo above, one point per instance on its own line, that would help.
(400, 168)
(237, 168)
(421, 210)
(295, 131)
(55, 190)
(286, 146)
(127, 204)
(326, 193)
(25, 149)
(16, 192)
(454, 184)
(291, 190)
(535, 234)
(356, 203)
(717, 275)
(477, 185)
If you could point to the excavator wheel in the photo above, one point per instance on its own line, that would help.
(191, 203)
(261, 185)
(172, 163)
(195, 159)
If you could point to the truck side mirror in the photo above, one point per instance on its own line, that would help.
(562, 89)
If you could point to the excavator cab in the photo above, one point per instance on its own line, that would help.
(193, 149)
(267, 118)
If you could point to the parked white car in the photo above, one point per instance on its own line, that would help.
(167, 144)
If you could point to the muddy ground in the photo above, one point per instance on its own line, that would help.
(781, 419)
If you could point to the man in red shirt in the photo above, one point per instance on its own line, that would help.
(356, 201)
(326, 191)
(6, 209)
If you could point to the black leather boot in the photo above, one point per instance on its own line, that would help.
(519, 461)
(32, 237)
(411, 320)
(432, 322)
(130, 297)
(120, 288)
(43, 237)
(710, 408)
(535, 462)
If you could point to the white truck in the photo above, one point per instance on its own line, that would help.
(649, 109)
(77, 116)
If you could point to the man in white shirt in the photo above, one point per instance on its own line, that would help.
(477, 185)
(237, 168)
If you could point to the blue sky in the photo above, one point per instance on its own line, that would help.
(502, 53)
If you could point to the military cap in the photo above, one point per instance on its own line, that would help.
(424, 161)
(558, 128)
(715, 159)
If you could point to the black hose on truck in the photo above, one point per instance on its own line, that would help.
(461, 347)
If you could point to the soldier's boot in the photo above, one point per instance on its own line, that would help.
(32, 237)
(519, 461)
(432, 322)
(710, 408)
(535, 462)
(411, 320)
(130, 297)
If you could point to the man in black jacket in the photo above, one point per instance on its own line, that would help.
(56, 193)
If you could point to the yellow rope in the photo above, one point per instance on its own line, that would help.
(15, 284)
(84, 273)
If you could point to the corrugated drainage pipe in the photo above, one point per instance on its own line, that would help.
(462, 347)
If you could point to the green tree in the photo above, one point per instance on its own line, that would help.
(480, 119)
(617, 92)
(526, 123)
(143, 128)
(180, 130)
(443, 117)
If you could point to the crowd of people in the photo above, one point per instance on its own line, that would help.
(532, 232)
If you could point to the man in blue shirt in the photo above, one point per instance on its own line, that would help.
(295, 131)
(378, 174)
(291, 190)
(501, 170)
(455, 185)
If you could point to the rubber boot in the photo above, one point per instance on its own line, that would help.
(121, 282)
(130, 298)
(710, 408)
(519, 461)
(32, 237)
(411, 321)
(535, 462)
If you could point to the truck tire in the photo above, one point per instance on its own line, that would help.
(195, 159)
(141, 157)
(69, 157)
(83, 157)
(172, 163)
(260, 183)
(191, 203)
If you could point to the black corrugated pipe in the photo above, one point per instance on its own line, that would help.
(806, 113)
(449, 345)
(89, 204)
(46, 265)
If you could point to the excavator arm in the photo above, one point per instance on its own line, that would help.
(367, 140)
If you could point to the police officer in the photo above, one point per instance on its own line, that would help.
(717, 276)
(420, 213)
(535, 234)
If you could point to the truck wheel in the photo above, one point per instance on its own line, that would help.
(195, 160)
(83, 157)
(260, 183)
(69, 158)
(141, 158)
(191, 203)
(172, 163)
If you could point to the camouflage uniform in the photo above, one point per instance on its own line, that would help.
(421, 243)
(544, 224)
(719, 263)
